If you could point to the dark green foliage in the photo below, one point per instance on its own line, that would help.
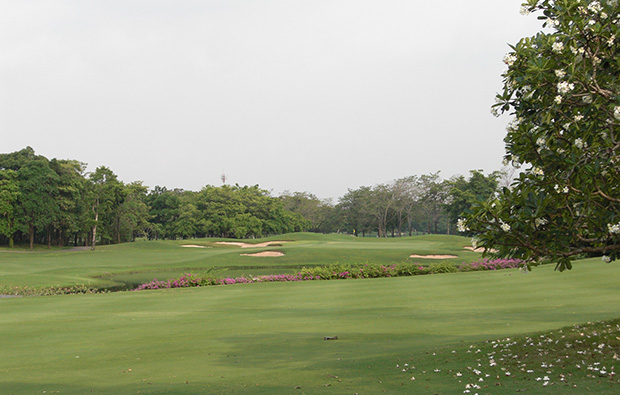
(45, 201)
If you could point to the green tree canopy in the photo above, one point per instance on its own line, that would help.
(563, 92)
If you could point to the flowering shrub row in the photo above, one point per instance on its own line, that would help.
(337, 272)
(491, 264)
(47, 291)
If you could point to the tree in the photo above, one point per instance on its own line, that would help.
(562, 90)
(133, 213)
(318, 212)
(464, 193)
(70, 198)
(9, 196)
(106, 196)
(38, 185)
(434, 196)
(407, 192)
(354, 206)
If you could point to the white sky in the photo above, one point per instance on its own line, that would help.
(308, 95)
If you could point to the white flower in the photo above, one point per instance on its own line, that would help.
(505, 227)
(595, 7)
(617, 113)
(560, 73)
(565, 87)
(540, 222)
(474, 243)
(558, 99)
(576, 51)
(606, 259)
(579, 143)
(557, 47)
(578, 117)
(524, 10)
(461, 225)
(538, 171)
(587, 99)
(611, 40)
(513, 125)
(565, 189)
(612, 3)
(510, 59)
(614, 229)
(604, 15)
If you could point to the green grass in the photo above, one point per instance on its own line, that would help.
(268, 337)
(110, 266)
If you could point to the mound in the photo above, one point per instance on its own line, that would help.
(433, 256)
(248, 245)
(479, 249)
(266, 253)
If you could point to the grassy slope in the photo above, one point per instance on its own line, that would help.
(143, 261)
(268, 338)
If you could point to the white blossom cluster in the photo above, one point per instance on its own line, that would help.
(510, 59)
(540, 222)
(505, 227)
(461, 225)
(606, 259)
(595, 7)
(614, 229)
(565, 87)
(617, 113)
(557, 47)
(579, 143)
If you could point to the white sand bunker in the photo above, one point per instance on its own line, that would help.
(479, 249)
(433, 256)
(192, 246)
(265, 253)
(248, 245)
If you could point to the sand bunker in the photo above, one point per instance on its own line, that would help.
(479, 249)
(265, 253)
(248, 245)
(433, 256)
(193, 246)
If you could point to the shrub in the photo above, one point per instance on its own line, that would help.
(441, 267)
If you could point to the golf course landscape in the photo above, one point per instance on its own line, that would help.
(495, 331)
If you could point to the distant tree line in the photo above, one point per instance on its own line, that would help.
(426, 204)
(56, 202)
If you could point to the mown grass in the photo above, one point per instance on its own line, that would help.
(111, 266)
(268, 337)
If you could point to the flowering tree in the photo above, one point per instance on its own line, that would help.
(563, 92)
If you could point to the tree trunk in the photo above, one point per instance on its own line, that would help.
(92, 244)
(31, 236)
(49, 237)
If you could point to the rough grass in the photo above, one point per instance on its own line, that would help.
(268, 337)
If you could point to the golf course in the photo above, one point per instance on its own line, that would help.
(417, 334)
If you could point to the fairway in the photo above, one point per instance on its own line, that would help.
(268, 337)
(134, 263)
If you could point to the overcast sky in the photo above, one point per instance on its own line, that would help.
(308, 95)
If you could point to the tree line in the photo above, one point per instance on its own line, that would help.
(426, 203)
(56, 202)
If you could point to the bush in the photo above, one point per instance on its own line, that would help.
(440, 267)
